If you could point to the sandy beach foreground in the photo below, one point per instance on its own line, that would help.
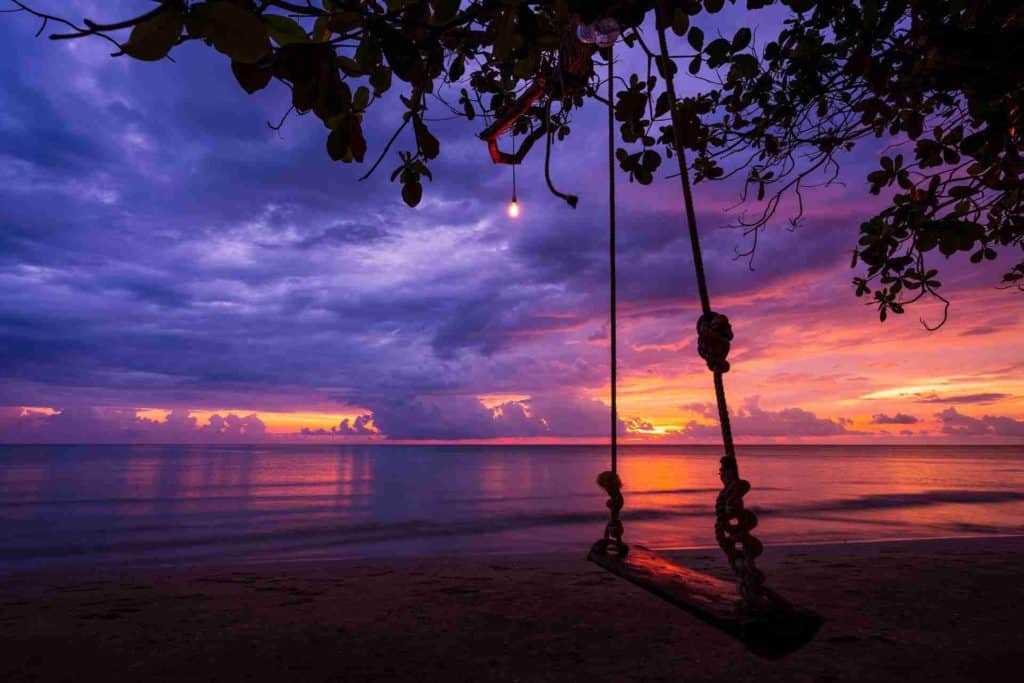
(943, 610)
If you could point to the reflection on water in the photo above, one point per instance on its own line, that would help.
(162, 504)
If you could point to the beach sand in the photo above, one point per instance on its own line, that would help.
(942, 610)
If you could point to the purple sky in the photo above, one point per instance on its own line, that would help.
(173, 270)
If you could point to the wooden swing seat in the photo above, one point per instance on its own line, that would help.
(769, 634)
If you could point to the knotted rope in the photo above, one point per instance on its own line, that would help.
(612, 540)
(733, 523)
(714, 337)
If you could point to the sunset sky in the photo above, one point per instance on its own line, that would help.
(171, 270)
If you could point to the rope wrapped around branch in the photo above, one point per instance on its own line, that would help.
(567, 76)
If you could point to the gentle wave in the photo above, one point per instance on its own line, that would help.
(162, 505)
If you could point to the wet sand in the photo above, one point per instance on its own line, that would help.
(945, 610)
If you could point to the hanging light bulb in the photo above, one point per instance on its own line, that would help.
(513, 206)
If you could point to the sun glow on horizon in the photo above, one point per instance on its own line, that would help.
(491, 401)
(25, 411)
(277, 422)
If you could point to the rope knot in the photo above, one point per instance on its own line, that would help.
(714, 337)
(612, 485)
(613, 530)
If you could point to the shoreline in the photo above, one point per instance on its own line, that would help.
(936, 610)
(771, 549)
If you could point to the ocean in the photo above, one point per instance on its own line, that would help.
(87, 506)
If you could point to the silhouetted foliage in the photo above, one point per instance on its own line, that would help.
(942, 80)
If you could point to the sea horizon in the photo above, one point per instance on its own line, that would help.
(99, 505)
(919, 443)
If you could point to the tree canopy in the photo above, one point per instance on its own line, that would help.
(942, 81)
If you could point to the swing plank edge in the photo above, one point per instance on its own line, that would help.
(769, 635)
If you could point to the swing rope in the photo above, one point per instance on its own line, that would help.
(713, 329)
(613, 278)
(609, 480)
(733, 523)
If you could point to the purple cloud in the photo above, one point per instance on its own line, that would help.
(460, 417)
(752, 420)
(897, 419)
(955, 422)
(155, 251)
(963, 398)
(118, 425)
(362, 425)
(638, 425)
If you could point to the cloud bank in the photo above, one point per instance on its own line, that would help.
(754, 421)
(160, 246)
(115, 425)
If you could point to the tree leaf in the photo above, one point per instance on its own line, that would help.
(696, 38)
(322, 29)
(456, 69)
(250, 76)
(718, 52)
(467, 105)
(380, 79)
(367, 54)
(741, 40)
(401, 53)
(444, 11)
(152, 39)
(361, 99)
(412, 193)
(285, 30)
(662, 105)
(425, 140)
(338, 142)
(342, 22)
(680, 22)
(666, 67)
(194, 20)
(237, 33)
(304, 95)
(356, 141)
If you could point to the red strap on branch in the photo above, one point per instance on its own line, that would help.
(517, 109)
